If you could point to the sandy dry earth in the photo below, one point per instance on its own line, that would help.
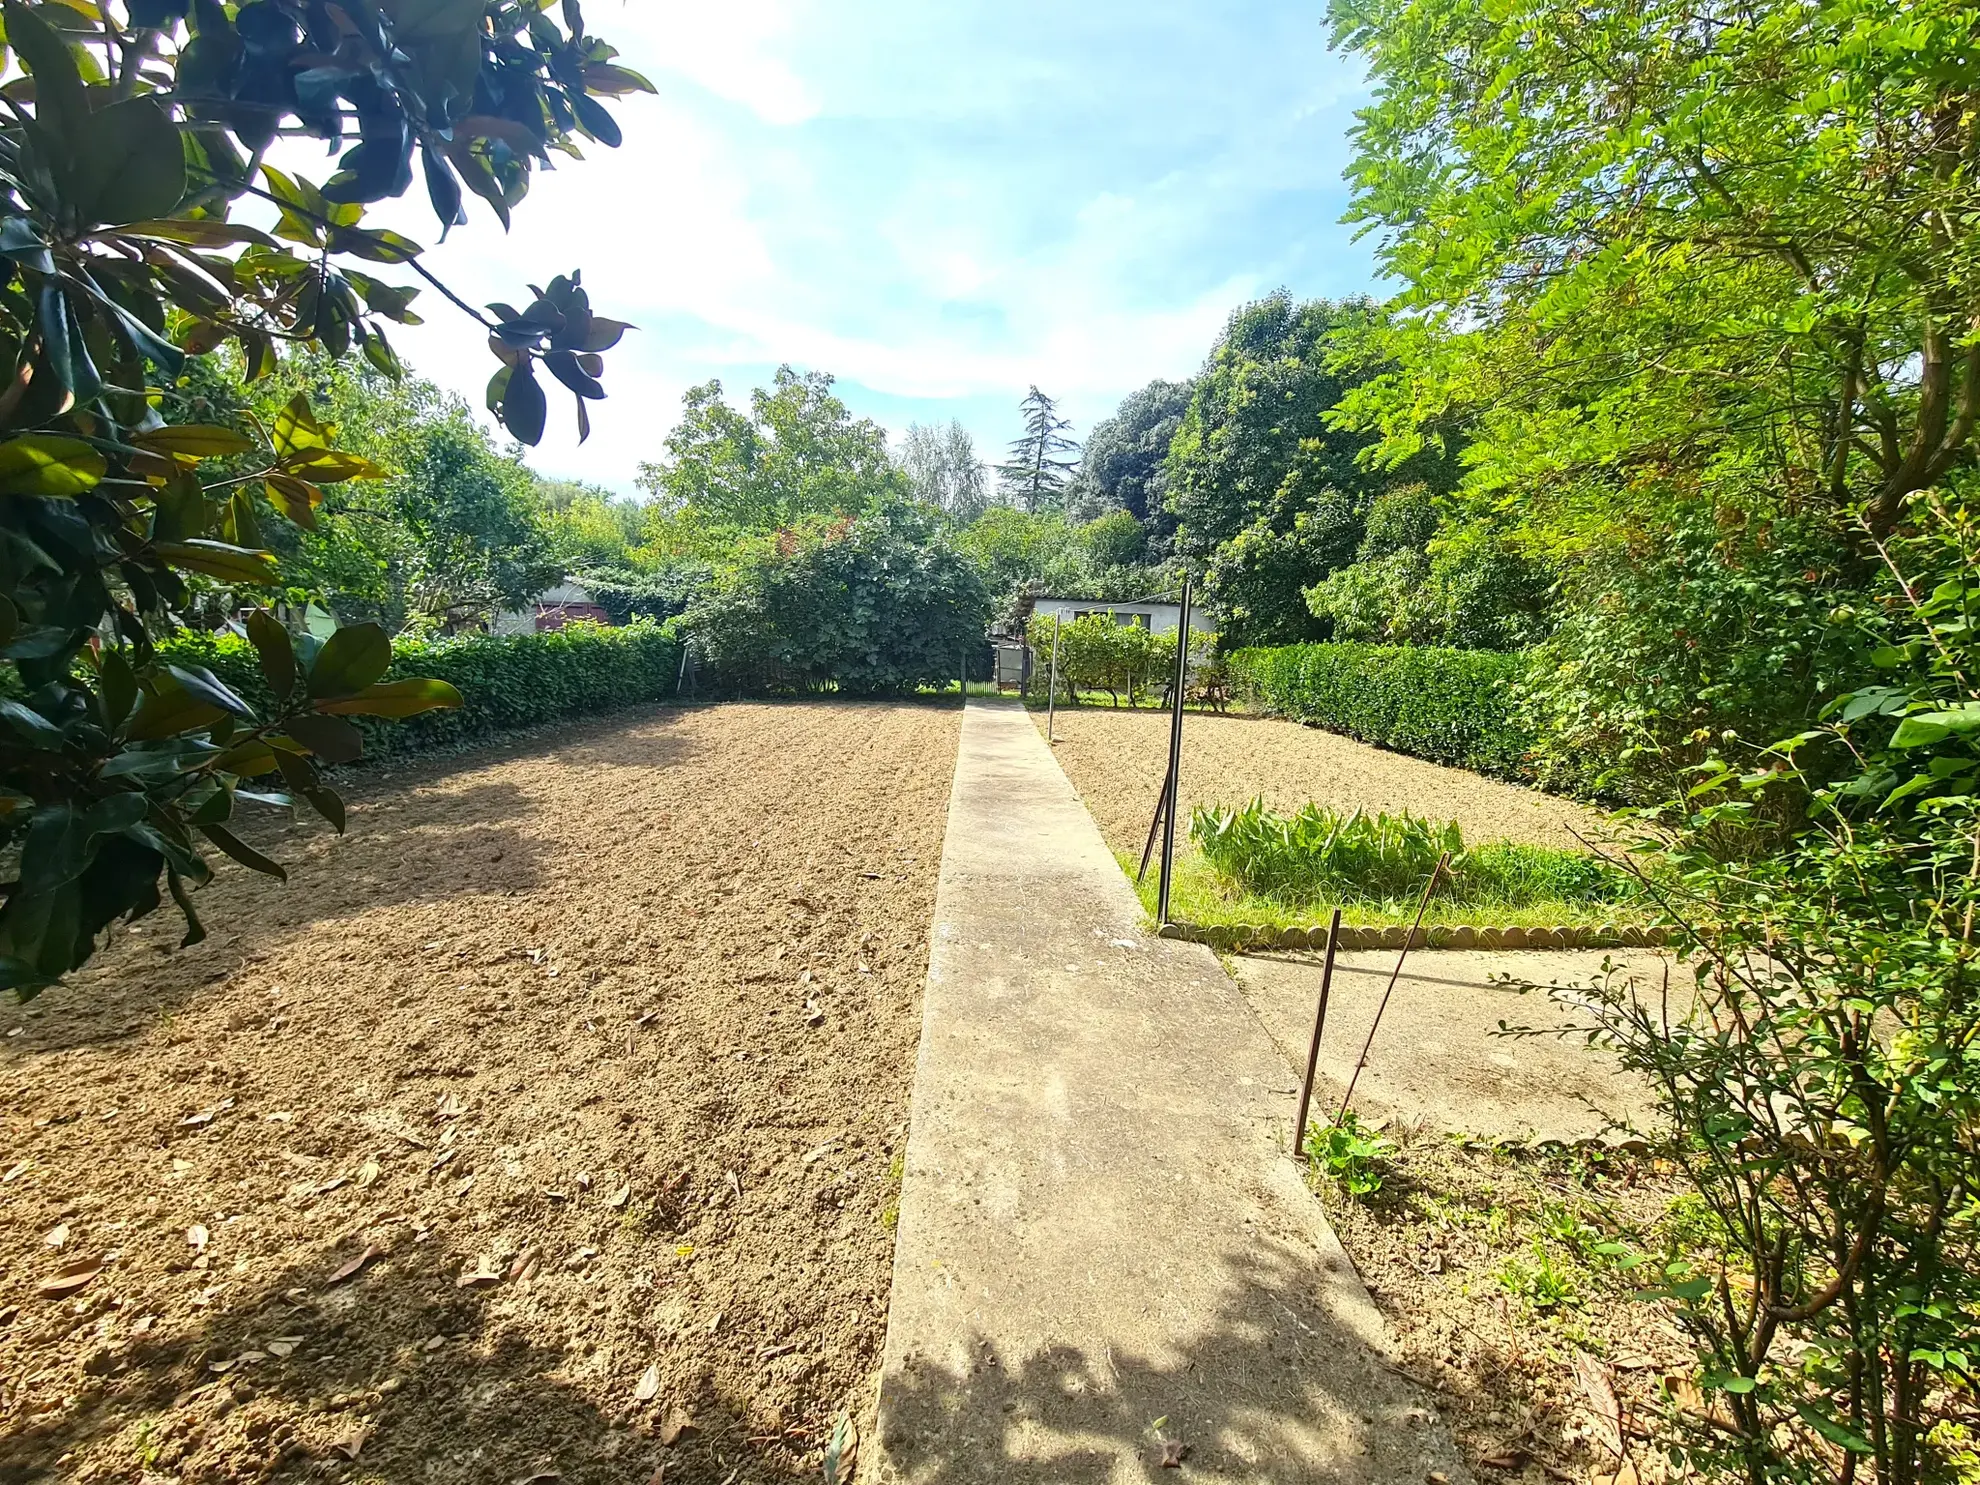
(596, 1054)
(1116, 759)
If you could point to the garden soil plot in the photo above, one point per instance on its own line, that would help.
(1116, 758)
(547, 1122)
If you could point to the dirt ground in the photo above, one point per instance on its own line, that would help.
(1116, 759)
(548, 1122)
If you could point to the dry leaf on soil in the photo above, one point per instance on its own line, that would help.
(841, 1450)
(57, 1235)
(351, 1443)
(367, 1173)
(480, 1276)
(677, 1423)
(349, 1270)
(1592, 1377)
(648, 1386)
(70, 1277)
(196, 1238)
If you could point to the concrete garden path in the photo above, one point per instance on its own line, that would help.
(1106, 1262)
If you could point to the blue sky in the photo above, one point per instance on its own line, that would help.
(937, 203)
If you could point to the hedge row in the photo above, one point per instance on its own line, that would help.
(505, 681)
(1450, 706)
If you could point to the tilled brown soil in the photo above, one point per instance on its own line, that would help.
(547, 1122)
(1116, 759)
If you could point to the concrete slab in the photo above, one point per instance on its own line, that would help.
(1437, 1058)
(1103, 1245)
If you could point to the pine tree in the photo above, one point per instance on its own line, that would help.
(1037, 474)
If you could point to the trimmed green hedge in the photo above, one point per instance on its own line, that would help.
(1450, 706)
(505, 681)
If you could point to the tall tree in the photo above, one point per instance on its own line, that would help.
(1036, 475)
(943, 470)
(798, 452)
(1269, 497)
(1122, 465)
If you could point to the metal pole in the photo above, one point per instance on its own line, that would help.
(1052, 682)
(1443, 864)
(1313, 1047)
(1175, 764)
(1161, 808)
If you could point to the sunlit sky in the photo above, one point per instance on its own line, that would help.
(938, 203)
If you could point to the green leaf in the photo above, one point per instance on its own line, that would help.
(195, 440)
(523, 406)
(169, 709)
(1923, 728)
(60, 104)
(1835, 1432)
(351, 659)
(209, 688)
(275, 652)
(49, 465)
(327, 804)
(119, 686)
(331, 738)
(230, 564)
(242, 852)
(129, 164)
(395, 699)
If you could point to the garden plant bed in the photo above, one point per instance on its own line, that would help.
(547, 1122)
(1116, 759)
(1485, 1261)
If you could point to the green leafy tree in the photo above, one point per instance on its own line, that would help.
(876, 604)
(1268, 494)
(1039, 470)
(1668, 249)
(1122, 465)
(132, 131)
(798, 452)
(943, 470)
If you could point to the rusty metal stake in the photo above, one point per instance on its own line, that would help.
(1443, 864)
(1154, 825)
(1313, 1047)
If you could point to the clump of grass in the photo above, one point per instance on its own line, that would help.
(1317, 854)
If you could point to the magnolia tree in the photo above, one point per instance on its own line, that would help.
(133, 133)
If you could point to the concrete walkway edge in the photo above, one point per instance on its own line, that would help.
(1105, 1258)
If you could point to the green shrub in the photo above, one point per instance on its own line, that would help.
(1450, 706)
(1316, 853)
(505, 681)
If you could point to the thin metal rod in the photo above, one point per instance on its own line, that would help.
(1052, 682)
(681, 679)
(1360, 1062)
(1155, 824)
(1175, 765)
(1313, 1047)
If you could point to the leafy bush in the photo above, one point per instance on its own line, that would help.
(1316, 853)
(505, 681)
(1098, 653)
(1450, 706)
(1822, 1098)
(879, 604)
(1354, 1155)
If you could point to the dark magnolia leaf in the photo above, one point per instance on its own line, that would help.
(443, 189)
(378, 351)
(331, 738)
(351, 659)
(296, 427)
(118, 684)
(200, 232)
(146, 341)
(375, 246)
(273, 649)
(327, 804)
(216, 809)
(49, 465)
(518, 137)
(27, 725)
(208, 687)
(194, 441)
(596, 118)
(614, 81)
(60, 105)
(250, 759)
(195, 930)
(22, 241)
(395, 699)
(523, 406)
(168, 709)
(238, 525)
(38, 642)
(242, 852)
(604, 333)
(230, 564)
(564, 366)
(129, 164)
(331, 466)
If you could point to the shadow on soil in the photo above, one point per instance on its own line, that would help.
(1276, 1388)
(482, 1405)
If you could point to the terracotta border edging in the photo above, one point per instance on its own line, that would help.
(1239, 937)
